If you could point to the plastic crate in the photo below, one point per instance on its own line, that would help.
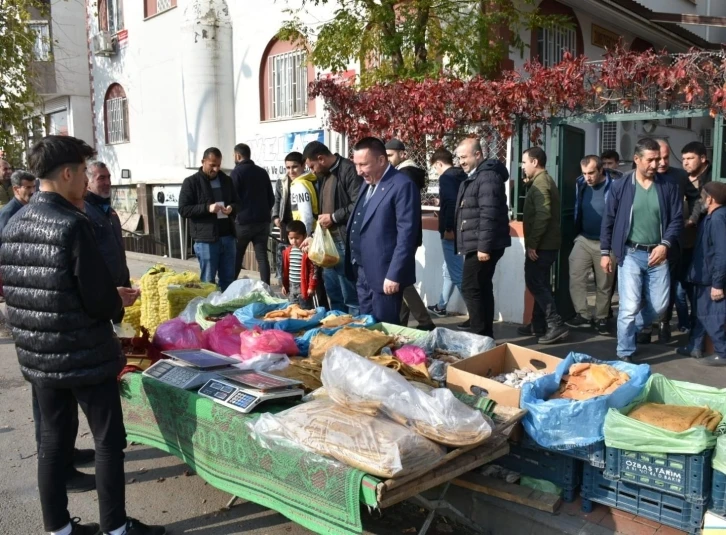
(718, 493)
(651, 504)
(593, 454)
(565, 472)
(686, 476)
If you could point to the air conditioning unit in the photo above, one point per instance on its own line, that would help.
(103, 44)
(707, 137)
(619, 136)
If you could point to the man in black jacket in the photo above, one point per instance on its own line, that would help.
(482, 224)
(450, 179)
(106, 223)
(23, 184)
(209, 200)
(61, 300)
(256, 200)
(339, 185)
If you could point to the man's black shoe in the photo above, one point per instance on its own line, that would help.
(79, 482)
(694, 353)
(579, 321)
(84, 529)
(83, 456)
(556, 333)
(530, 330)
(629, 360)
(134, 527)
(602, 326)
(664, 332)
(714, 360)
(428, 327)
(643, 337)
(464, 325)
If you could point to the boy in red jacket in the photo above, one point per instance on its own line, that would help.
(298, 272)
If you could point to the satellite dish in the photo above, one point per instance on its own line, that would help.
(649, 126)
(627, 125)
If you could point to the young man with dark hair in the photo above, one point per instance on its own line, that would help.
(611, 160)
(256, 200)
(542, 240)
(707, 275)
(338, 187)
(385, 220)
(23, 184)
(450, 179)
(209, 200)
(643, 219)
(61, 299)
(282, 209)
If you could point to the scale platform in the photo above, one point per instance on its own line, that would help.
(245, 390)
(202, 359)
(173, 374)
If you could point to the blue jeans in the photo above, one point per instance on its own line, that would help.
(341, 292)
(217, 258)
(453, 271)
(681, 300)
(644, 294)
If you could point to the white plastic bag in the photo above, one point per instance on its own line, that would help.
(323, 251)
(372, 444)
(364, 386)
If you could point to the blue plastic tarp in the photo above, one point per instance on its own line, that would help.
(251, 316)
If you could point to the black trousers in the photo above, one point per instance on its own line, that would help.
(478, 291)
(257, 234)
(72, 435)
(675, 261)
(412, 304)
(537, 280)
(102, 406)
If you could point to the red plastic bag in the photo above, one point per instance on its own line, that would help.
(223, 337)
(177, 334)
(258, 342)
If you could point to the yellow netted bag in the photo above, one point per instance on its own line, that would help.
(132, 316)
(179, 295)
(162, 285)
(150, 314)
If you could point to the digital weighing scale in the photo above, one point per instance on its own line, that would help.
(245, 390)
(190, 368)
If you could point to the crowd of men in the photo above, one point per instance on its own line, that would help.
(657, 231)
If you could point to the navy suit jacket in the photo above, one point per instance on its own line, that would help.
(389, 236)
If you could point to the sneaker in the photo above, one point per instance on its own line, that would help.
(530, 330)
(692, 353)
(134, 527)
(629, 360)
(602, 326)
(79, 482)
(436, 311)
(427, 327)
(664, 332)
(554, 334)
(579, 321)
(83, 456)
(84, 529)
(714, 360)
(643, 337)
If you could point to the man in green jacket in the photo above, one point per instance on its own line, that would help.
(542, 240)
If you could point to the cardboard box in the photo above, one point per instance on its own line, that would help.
(502, 359)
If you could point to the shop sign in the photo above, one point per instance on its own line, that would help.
(166, 195)
(269, 152)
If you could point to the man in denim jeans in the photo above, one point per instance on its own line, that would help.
(208, 199)
(643, 218)
(339, 185)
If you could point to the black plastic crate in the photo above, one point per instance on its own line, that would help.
(565, 472)
(686, 476)
(593, 454)
(659, 506)
(718, 493)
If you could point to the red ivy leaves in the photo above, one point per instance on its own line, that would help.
(413, 110)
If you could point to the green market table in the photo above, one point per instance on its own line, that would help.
(320, 494)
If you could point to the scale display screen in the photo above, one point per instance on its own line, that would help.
(262, 381)
(200, 358)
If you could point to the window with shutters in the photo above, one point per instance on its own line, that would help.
(116, 113)
(552, 43)
(154, 7)
(110, 16)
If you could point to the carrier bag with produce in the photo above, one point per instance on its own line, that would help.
(363, 386)
(556, 422)
(223, 337)
(323, 251)
(239, 294)
(667, 417)
(282, 316)
(258, 342)
(178, 334)
(372, 444)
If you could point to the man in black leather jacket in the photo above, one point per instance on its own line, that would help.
(60, 302)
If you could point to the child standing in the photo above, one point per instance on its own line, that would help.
(298, 272)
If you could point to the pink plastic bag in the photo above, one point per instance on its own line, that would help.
(223, 337)
(411, 355)
(177, 334)
(257, 342)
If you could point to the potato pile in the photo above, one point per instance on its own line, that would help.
(150, 310)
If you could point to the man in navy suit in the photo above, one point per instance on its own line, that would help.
(382, 233)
